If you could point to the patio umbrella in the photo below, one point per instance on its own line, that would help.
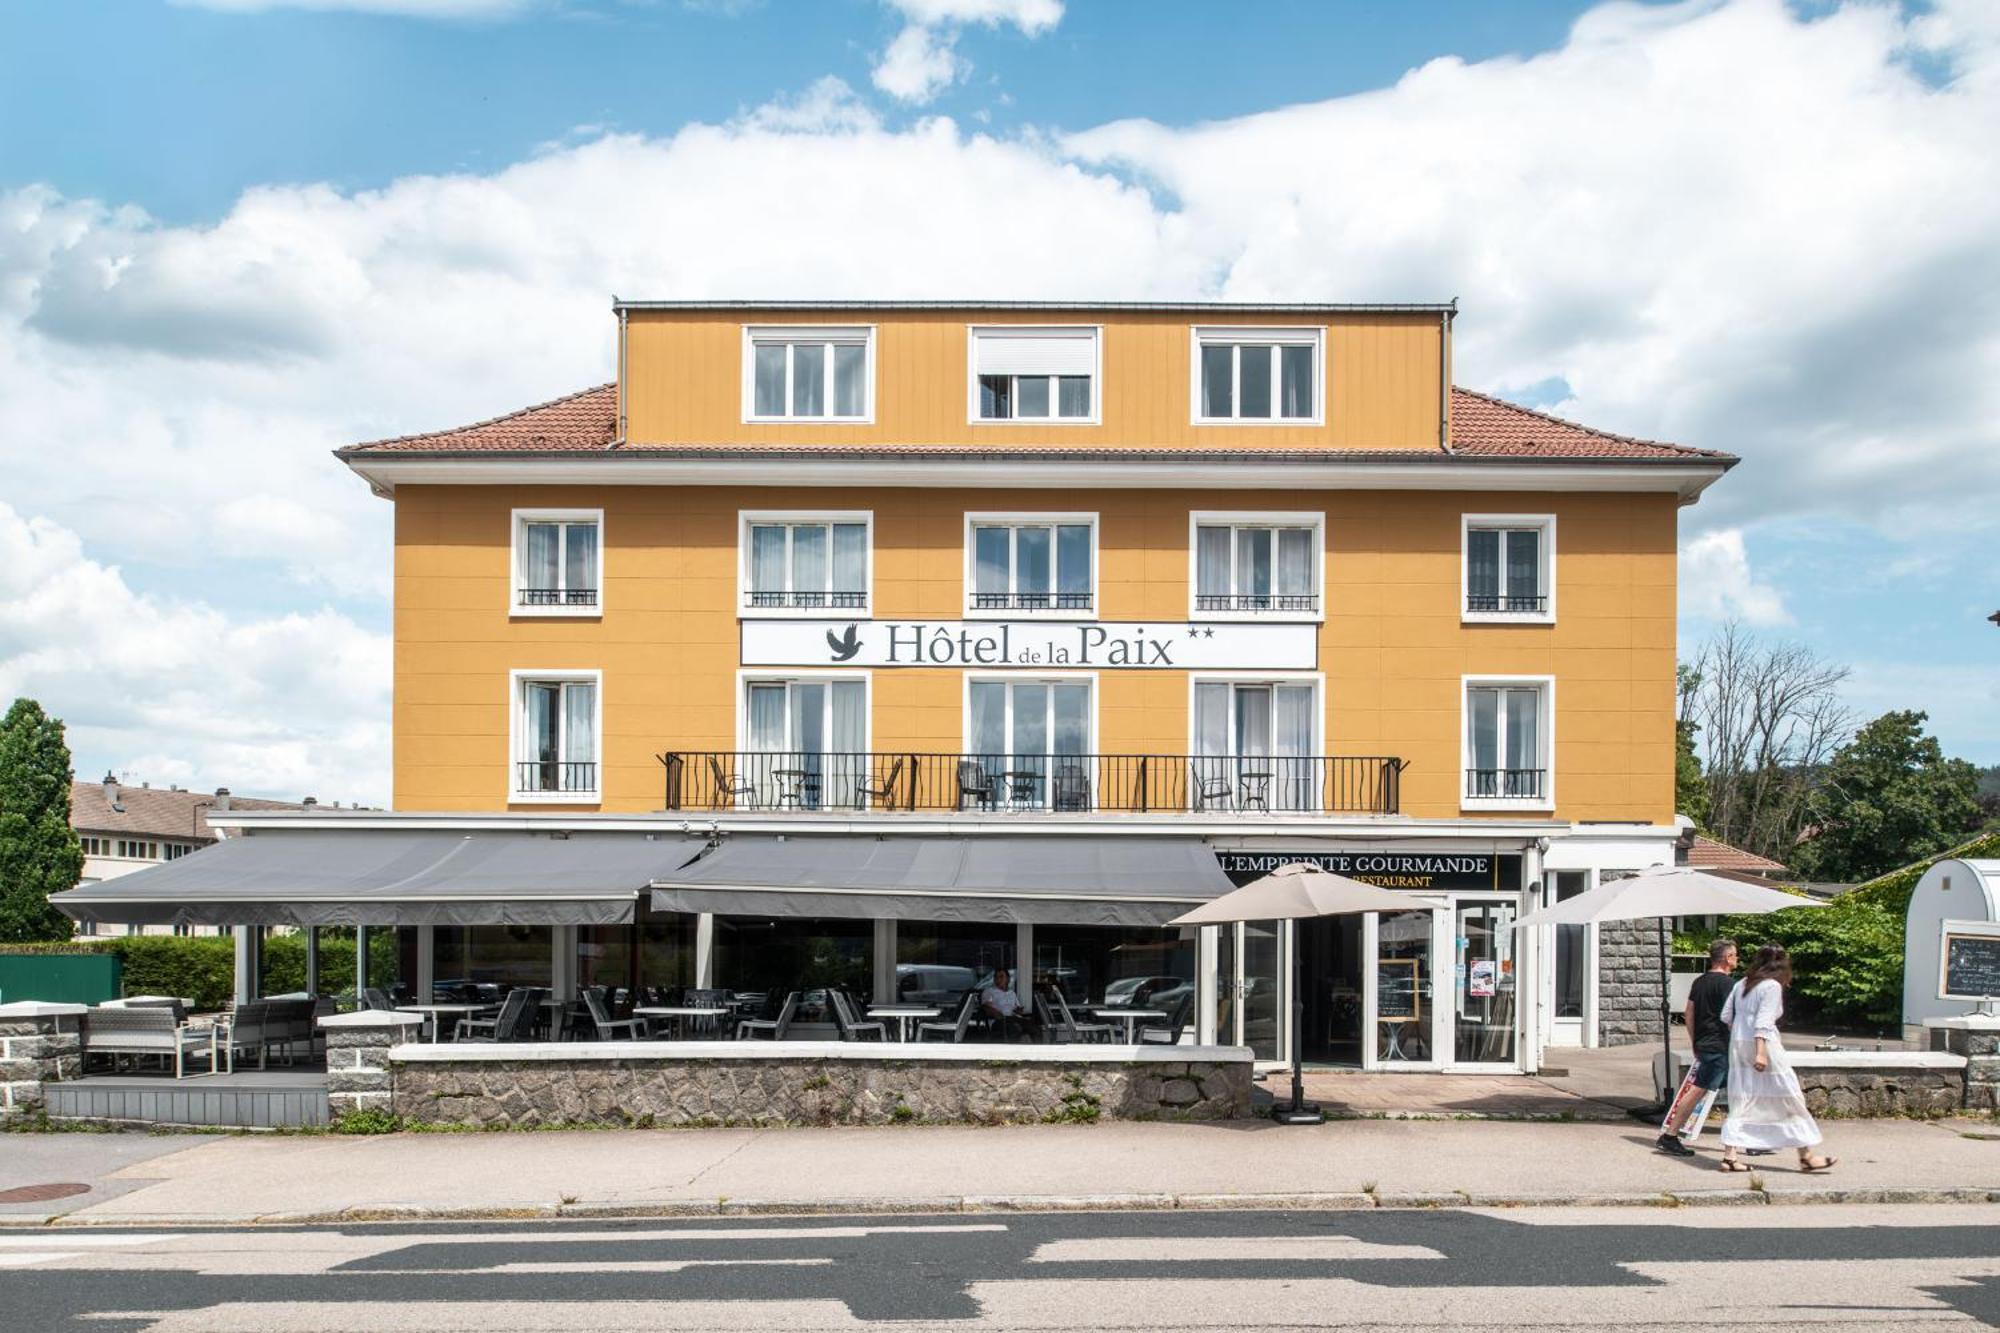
(1665, 892)
(1287, 894)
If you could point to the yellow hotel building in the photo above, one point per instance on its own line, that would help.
(950, 637)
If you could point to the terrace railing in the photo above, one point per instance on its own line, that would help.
(803, 780)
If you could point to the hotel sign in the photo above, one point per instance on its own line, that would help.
(1423, 872)
(1077, 645)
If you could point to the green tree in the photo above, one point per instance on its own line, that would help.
(1691, 795)
(1889, 797)
(39, 853)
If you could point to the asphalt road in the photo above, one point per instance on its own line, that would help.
(1629, 1269)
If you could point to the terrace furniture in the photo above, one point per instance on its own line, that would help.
(439, 1014)
(1170, 1034)
(798, 788)
(1208, 789)
(974, 781)
(738, 788)
(748, 1028)
(178, 1008)
(1072, 788)
(260, 1025)
(514, 1022)
(1056, 1012)
(902, 1015)
(954, 1030)
(374, 997)
(607, 1027)
(1024, 786)
(883, 791)
(1127, 1019)
(710, 1025)
(146, 1031)
(1256, 790)
(845, 1022)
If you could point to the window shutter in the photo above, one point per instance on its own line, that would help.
(1034, 352)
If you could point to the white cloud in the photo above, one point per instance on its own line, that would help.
(922, 60)
(1716, 583)
(178, 691)
(429, 9)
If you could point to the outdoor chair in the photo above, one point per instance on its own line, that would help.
(865, 789)
(850, 1027)
(748, 1028)
(730, 790)
(512, 1023)
(1072, 788)
(374, 997)
(607, 1027)
(121, 1032)
(1169, 1034)
(173, 1006)
(710, 1026)
(1208, 790)
(253, 1025)
(954, 1030)
(974, 781)
(1057, 1016)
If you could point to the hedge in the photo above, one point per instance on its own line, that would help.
(203, 967)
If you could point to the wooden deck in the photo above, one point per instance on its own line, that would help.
(247, 1099)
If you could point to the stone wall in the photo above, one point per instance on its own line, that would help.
(1838, 1093)
(358, 1076)
(39, 1043)
(1628, 982)
(1979, 1042)
(804, 1090)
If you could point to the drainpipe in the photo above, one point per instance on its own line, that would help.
(1444, 376)
(623, 329)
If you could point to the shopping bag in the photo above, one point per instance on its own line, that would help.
(1703, 1101)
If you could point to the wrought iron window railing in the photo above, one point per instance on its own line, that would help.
(538, 776)
(842, 601)
(1257, 601)
(1523, 784)
(558, 597)
(1031, 601)
(1502, 603)
(805, 780)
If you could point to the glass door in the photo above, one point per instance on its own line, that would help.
(1399, 989)
(1251, 1007)
(1483, 981)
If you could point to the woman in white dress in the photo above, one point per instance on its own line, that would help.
(1766, 1108)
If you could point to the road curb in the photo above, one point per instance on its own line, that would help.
(1040, 1203)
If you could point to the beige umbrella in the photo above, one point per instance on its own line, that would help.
(1287, 894)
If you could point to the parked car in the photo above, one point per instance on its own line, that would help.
(1139, 992)
(938, 985)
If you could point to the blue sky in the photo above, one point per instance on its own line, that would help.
(235, 234)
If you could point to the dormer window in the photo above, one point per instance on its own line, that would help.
(557, 555)
(1262, 375)
(1034, 374)
(808, 374)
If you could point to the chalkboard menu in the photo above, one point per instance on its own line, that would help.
(1971, 966)
(1396, 990)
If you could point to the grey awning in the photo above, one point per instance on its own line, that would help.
(392, 877)
(1050, 880)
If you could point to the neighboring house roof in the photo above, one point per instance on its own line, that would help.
(1709, 854)
(154, 812)
(1483, 427)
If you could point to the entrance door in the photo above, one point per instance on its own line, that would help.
(1330, 964)
(1250, 1005)
(1483, 977)
(1402, 993)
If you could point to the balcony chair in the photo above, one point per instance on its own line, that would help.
(748, 1028)
(514, 1022)
(1072, 788)
(850, 1027)
(866, 790)
(728, 790)
(1209, 791)
(974, 781)
(955, 1029)
(607, 1027)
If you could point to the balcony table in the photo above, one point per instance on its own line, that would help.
(1256, 788)
(679, 1013)
(436, 1014)
(1113, 1013)
(797, 787)
(903, 1015)
(1023, 786)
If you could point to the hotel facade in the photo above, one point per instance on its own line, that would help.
(919, 639)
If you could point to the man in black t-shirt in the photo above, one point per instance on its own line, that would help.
(1710, 1036)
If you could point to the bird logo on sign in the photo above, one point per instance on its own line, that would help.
(846, 645)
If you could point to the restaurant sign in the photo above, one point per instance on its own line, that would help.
(1082, 645)
(1423, 872)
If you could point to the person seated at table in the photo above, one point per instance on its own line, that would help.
(1008, 1014)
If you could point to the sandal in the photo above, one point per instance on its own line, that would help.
(1730, 1164)
(1810, 1165)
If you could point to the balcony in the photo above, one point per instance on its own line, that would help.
(538, 777)
(765, 781)
(1505, 784)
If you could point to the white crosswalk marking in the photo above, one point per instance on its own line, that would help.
(1114, 1249)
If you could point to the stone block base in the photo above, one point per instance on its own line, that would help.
(1836, 1093)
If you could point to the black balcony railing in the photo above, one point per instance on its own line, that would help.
(1257, 601)
(1057, 783)
(1503, 603)
(554, 775)
(1031, 601)
(793, 601)
(558, 597)
(1508, 784)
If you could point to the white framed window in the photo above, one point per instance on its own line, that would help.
(804, 742)
(1509, 754)
(1256, 566)
(138, 849)
(1047, 375)
(1508, 568)
(1255, 742)
(1271, 376)
(558, 559)
(805, 563)
(1031, 564)
(1029, 742)
(557, 736)
(809, 374)
(176, 850)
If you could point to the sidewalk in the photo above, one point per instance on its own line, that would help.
(1350, 1163)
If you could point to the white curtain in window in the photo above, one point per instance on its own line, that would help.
(992, 559)
(580, 556)
(1295, 562)
(540, 737)
(767, 558)
(809, 558)
(1483, 709)
(767, 718)
(1071, 706)
(809, 379)
(989, 717)
(847, 740)
(1211, 561)
(850, 557)
(1294, 785)
(541, 567)
(1253, 562)
(1073, 394)
(1073, 559)
(850, 379)
(1253, 719)
(1297, 396)
(1524, 731)
(1031, 561)
(580, 722)
(770, 376)
(1211, 719)
(1030, 737)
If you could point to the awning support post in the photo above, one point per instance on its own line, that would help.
(426, 963)
(360, 964)
(249, 961)
(312, 960)
(704, 950)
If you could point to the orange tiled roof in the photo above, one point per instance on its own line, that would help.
(1482, 427)
(1708, 854)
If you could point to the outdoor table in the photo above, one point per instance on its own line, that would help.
(1256, 785)
(1022, 785)
(436, 1014)
(1113, 1013)
(903, 1015)
(680, 1013)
